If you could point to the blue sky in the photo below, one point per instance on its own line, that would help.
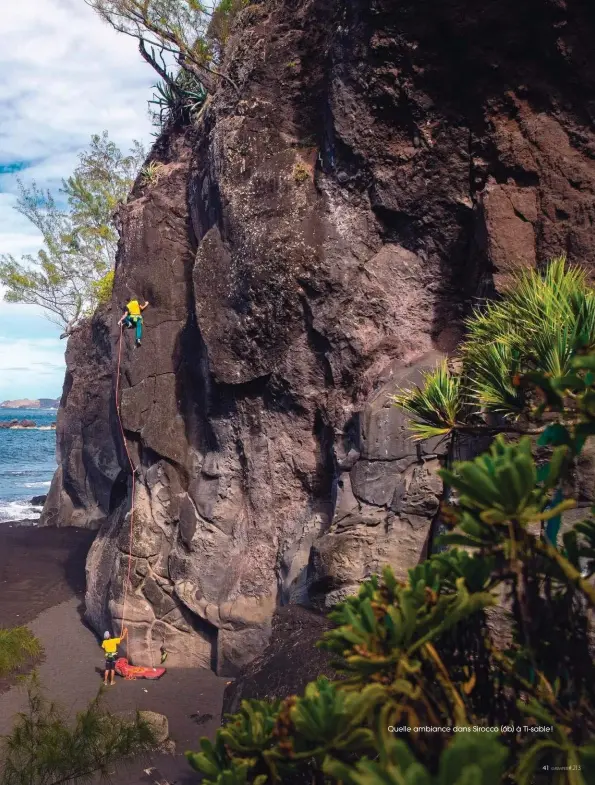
(65, 75)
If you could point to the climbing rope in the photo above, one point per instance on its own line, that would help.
(133, 470)
(131, 530)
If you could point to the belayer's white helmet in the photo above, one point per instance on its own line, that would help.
(106, 635)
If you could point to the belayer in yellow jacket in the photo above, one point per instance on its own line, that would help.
(110, 647)
(132, 317)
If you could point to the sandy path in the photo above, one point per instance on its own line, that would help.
(39, 568)
(71, 670)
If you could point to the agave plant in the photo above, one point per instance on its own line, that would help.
(177, 98)
(437, 405)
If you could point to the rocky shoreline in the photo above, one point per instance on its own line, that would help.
(16, 425)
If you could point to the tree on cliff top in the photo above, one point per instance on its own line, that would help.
(191, 31)
(67, 277)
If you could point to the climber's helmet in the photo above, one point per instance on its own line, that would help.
(106, 635)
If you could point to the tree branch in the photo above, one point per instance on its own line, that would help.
(477, 430)
(155, 65)
(188, 65)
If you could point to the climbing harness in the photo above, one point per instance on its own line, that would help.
(127, 670)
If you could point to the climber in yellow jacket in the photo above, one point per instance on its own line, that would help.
(132, 317)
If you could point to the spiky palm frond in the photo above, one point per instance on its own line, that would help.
(558, 298)
(554, 350)
(539, 325)
(489, 379)
(491, 323)
(538, 296)
(546, 319)
(436, 406)
(583, 322)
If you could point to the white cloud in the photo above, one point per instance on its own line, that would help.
(65, 76)
(17, 234)
(31, 367)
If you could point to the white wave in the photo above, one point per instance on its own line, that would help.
(37, 484)
(26, 428)
(18, 511)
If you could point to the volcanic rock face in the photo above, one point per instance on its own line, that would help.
(89, 480)
(308, 248)
(282, 669)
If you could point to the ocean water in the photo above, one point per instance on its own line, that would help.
(27, 463)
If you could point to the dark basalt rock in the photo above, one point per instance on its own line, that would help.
(90, 478)
(308, 249)
(288, 663)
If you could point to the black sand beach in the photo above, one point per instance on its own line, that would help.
(42, 574)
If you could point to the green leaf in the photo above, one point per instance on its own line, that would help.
(436, 406)
(530, 760)
(555, 434)
(584, 362)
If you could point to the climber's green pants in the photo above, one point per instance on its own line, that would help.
(131, 321)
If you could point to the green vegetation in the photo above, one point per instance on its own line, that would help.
(17, 646)
(79, 240)
(538, 327)
(103, 288)
(301, 173)
(177, 100)
(69, 276)
(194, 33)
(149, 174)
(46, 748)
(219, 28)
(490, 635)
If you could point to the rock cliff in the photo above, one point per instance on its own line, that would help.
(89, 478)
(307, 247)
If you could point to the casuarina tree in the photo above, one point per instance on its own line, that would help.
(72, 271)
(190, 32)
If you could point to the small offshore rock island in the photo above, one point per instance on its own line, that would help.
(31, 403)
